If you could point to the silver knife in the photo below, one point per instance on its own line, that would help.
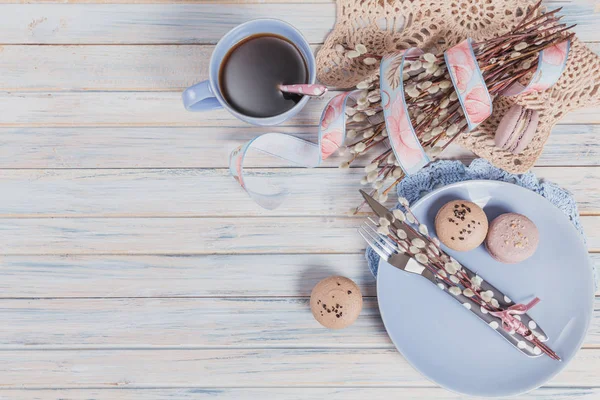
(402, 261)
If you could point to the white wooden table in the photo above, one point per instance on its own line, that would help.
(132, 265)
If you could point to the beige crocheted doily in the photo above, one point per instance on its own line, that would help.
(388, 25)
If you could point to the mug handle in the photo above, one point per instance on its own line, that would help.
(200, 98)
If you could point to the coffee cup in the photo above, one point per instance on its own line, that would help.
(210, 94)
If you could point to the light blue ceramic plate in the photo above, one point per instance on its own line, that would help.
(452, 347)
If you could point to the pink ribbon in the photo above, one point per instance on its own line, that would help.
(403, 139)
(468, 82)
(510, 323)
(551, 64)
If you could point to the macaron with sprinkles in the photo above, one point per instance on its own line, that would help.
(512, 238)
(336, 302)
(461, 225)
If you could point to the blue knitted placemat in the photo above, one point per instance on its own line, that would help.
(442, 173)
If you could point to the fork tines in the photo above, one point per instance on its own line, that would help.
(377, 241)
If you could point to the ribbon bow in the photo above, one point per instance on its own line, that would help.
(509, 322)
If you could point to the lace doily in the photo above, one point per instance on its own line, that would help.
(388, 25)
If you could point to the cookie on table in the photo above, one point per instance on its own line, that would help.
(336, 302)
(461, 225)
(512, 238)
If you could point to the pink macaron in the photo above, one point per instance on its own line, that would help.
(512, 238)
(516, 129)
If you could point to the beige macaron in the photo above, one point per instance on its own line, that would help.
(336, 302)
(461, 225)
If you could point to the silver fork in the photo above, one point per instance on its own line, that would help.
(389, 251)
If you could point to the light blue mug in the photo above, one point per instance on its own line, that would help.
(206, 95)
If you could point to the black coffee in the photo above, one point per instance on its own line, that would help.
(252, 70)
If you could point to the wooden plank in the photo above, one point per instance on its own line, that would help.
(196, 23)
(573, 145)
(582, 117)
(90, 67)
(273, 275)
(248, 2)
(237, 368)
(233, 235)
(150, 23)
(92, 109)
(548, 3)
(98, 67)
(183, 235)
(122, 109)
(108, 68)
(304, 393)
(239, 322)
(183, 192)
(579, 181)
(137, 147)
(92, 276)
(172, 192)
